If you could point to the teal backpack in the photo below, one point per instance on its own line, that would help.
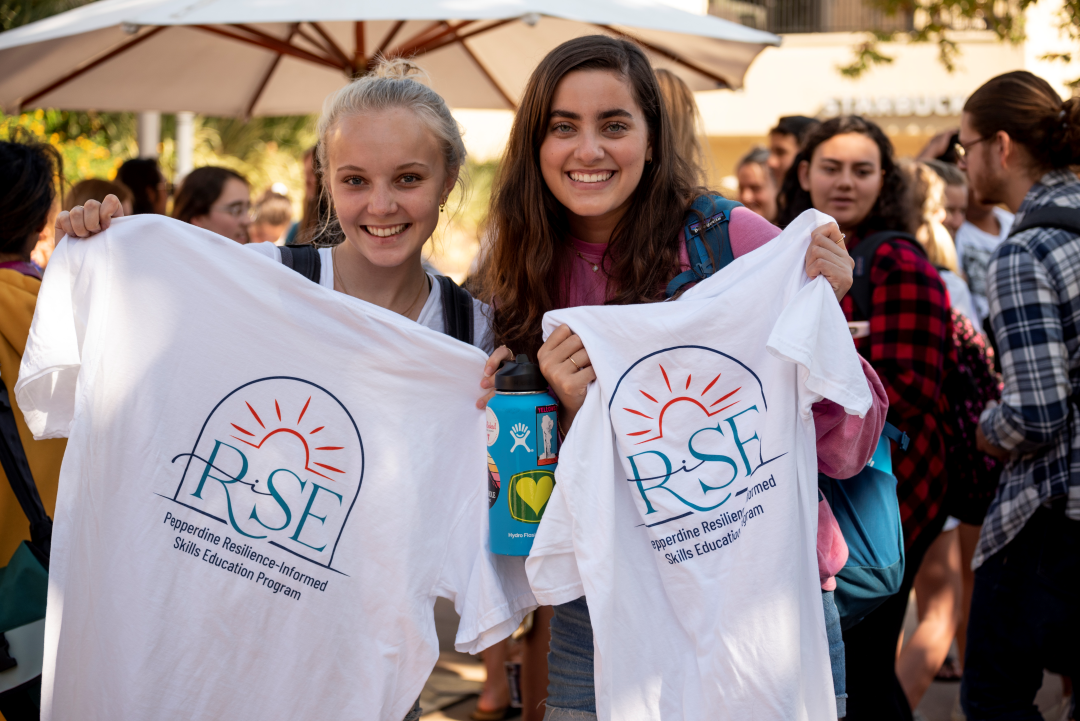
(708, 245)
(868, 513)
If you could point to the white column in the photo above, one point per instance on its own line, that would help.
(149, 134)
(185, 146)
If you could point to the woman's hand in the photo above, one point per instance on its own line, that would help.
(828, 256)
(82, 221)
(568, 370)
(494, 361)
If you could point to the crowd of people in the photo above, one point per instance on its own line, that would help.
(961, 292)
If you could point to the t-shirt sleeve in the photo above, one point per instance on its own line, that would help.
(267, 250)
(48, 375)
(749, 231)
(552, 565)
(813, 333)
(490, 592)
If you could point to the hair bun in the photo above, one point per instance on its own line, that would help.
(1065, 133)
(398, 69)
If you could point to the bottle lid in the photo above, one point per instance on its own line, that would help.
(520, 376)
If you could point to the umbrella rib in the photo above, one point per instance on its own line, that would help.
(669, 55)
(270, 38)
(390, 37)
(484, 70)
(422, 36)
(272, 44)
(359, 56)
(334, 48)
(461, 38)
(89, 66)
(269, 72)
(419, 47)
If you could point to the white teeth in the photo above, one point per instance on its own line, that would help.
(591, 177)
(386, 232)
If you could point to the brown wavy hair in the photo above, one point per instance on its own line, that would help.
(524, 272)
(891, 209)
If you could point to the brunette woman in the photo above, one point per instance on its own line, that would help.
(587, 210)
(847, 169)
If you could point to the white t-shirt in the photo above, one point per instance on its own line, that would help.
(431, 315)
(266, 486)
(685, 504)
(974, 248)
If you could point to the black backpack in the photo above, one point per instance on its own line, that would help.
(457, 304)
(969, 382)
(1050, 216)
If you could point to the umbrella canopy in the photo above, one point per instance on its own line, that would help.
(282, 57)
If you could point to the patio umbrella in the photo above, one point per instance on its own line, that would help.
(282, 57)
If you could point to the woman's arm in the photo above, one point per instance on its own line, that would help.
(845, 442)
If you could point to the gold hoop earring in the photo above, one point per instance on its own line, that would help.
(442, 207)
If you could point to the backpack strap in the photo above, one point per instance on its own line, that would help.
(707, 239)
(895, 434)
(17, 469)
(457, 308)
(1050, 216)
(861, 291)
(304, 259)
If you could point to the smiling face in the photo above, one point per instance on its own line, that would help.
(844, 178)
(594, 150)
(387, 178)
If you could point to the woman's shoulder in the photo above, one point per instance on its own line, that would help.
(749, 231)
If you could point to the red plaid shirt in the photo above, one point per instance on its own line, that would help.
(910, 329)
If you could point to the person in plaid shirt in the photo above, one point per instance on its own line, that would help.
(1018, 140)
(847, 170)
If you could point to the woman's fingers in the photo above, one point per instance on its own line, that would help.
(82, 221)
(482, 403)
(110, 208)
(496, 359)
(78, 227)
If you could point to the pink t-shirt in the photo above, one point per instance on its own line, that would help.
(845, 443)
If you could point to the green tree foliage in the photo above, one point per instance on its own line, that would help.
(934, 19)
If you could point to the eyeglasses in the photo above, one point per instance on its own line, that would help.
(961, 149)
(239, 209)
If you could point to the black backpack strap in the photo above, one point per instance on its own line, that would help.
(861, 291)
(17, 469)
(1050, 216)
(707, 239)
(457, 308)
(304, 259)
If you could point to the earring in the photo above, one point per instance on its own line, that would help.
(442, 207)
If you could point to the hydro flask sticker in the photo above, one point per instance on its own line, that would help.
(529, 494)
(492, 427)
(493, 481)
(547, 440)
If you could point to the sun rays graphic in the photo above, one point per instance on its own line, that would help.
(308, 462)
(672, 398)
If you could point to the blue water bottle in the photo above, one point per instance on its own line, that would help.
(523, 450)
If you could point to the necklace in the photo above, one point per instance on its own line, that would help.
(595, 267)
(341, 282)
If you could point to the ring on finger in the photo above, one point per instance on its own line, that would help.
(571, 359)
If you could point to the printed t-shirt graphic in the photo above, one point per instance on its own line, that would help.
(685, 504)
(267, 484)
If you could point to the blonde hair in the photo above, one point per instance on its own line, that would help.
(685, 120)
(393, 84)
(927, 204)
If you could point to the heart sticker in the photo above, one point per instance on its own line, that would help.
(535, 492)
